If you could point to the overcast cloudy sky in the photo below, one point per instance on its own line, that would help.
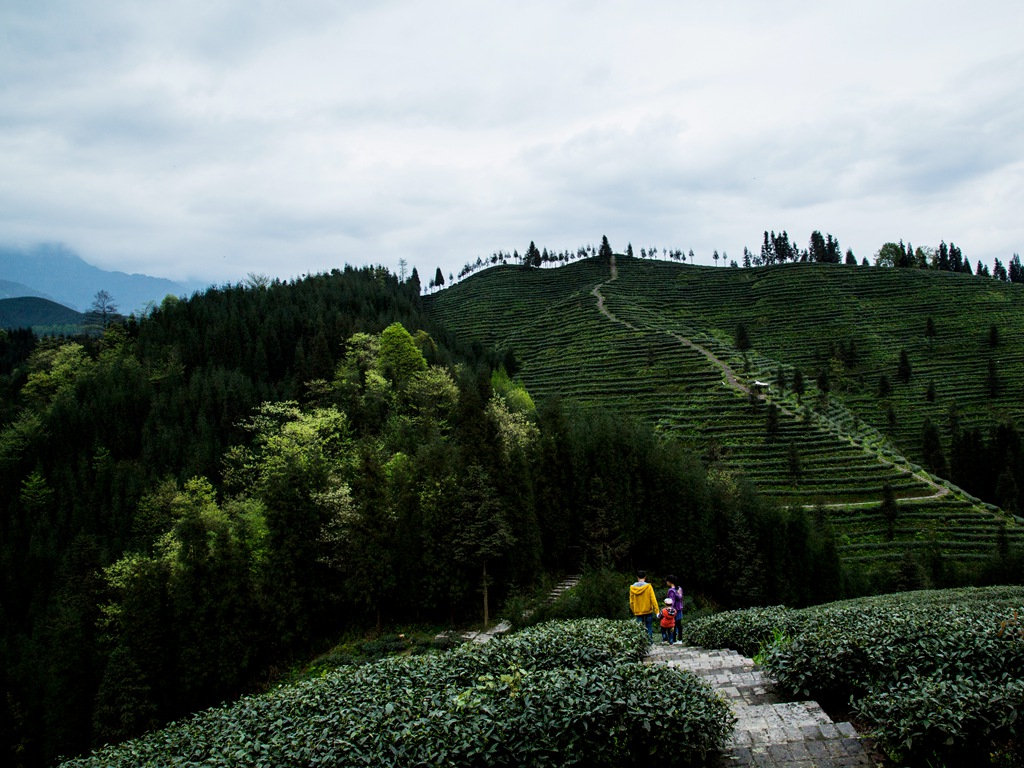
(206, 140)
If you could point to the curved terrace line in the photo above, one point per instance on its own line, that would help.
(733, 381)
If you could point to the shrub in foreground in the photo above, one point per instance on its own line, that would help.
(563, 693)
(939, 673)
(744, 631)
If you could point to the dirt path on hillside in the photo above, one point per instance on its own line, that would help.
(733, 381)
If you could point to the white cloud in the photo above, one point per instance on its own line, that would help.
(214, 139)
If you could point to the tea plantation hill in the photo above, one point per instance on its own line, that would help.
(656, 340)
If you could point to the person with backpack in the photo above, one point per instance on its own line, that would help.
(675, 593)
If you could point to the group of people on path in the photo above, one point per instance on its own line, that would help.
(645, 607)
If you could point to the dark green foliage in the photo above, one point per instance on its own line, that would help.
(599, 594)
(559, 694)
(794, 464)
(313, 530)
(88, 429)
(533, 257)
(771, 427)
(798, 382)
(936, 673)
(903, 369)
(884, 386)
(745, 631)
(741, 338)
(931, 448)
(992, 383)
(889, 510)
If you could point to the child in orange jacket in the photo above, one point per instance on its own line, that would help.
(668, 622)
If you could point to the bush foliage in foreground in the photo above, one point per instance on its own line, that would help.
(561, 693)
(939, 673)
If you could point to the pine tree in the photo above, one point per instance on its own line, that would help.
(992, 379)
(793, 460)
(533, 256)
(798, 383)
(889, 511)
(772, 423)
(903, 370)
(1015, 272)
(742, 338)
(931, 448)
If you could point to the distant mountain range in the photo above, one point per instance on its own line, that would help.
(57, 273)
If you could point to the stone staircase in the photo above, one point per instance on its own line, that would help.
(769, 731)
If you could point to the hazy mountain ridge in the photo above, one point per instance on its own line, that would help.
(56, 272)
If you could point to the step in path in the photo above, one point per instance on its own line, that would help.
(769, 731)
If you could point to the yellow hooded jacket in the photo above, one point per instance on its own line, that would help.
(642, 600)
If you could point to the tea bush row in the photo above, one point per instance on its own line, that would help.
(558, 694)
(938, 673)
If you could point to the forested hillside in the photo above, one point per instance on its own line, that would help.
(200, 497)
(41, 314)
(864, 392)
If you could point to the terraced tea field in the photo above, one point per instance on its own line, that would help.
(654, 340)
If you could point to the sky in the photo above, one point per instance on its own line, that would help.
(203, 140)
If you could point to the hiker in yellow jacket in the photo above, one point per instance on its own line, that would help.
(643, 603)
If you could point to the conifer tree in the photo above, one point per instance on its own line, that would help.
(931, 448)
(889, 510)
(798, 383)
(903, 370)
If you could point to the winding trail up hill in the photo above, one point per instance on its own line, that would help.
(655, 340)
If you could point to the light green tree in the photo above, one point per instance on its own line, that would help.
(399, 357)
(888, 255)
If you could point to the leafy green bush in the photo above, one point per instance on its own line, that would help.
(938, 673)
(744, 631)
(599, 594)
(958, 719)
(563, 693)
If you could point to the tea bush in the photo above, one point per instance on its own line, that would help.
(562, 693)
(744, 631)
(938, 673)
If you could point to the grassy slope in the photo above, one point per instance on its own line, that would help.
(638, 362)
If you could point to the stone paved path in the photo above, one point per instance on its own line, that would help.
(769, 731)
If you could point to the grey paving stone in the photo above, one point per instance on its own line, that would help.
(769, 732)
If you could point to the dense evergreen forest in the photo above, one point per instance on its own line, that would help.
(195, 499)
